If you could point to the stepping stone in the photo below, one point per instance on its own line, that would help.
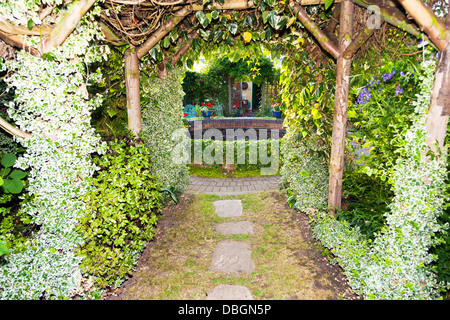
(228, 208)
(232, 257)
(230, 292)
(235, 227)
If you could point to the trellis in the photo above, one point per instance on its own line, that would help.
(144, 23)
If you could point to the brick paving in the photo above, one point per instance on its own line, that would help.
(232, 186)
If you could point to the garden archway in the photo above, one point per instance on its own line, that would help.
(149, 28)
(154, 28)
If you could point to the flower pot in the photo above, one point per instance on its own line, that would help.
(206, 114)
(277, 114)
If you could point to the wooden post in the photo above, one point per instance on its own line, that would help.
(340, 109)
(439, 110)
(132, 87)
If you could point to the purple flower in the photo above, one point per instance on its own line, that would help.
(398, 91)
(402, 73)
(387, 76)
(363, 96)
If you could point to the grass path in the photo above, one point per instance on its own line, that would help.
(288, 263)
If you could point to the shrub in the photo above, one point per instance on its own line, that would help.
(163, 129)
(397, 265)
(13, 222)
(304, 173)
(248, 155)
(121, 212)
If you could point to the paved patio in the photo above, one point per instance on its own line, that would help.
(232, 186)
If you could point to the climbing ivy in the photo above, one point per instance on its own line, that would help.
(51, 104)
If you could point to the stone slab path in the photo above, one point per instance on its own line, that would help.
(231, 256)
(233, 186)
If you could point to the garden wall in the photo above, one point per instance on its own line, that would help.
(264, 128)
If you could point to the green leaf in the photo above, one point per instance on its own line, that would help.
(234, 56)
(166, 42)
(250, 20)
(265, 15)
(277, 22)
(3, 249)
(233, 28)
(203, 19)
(30, 24)
(272, 17)
(153, 53)
(8, 160)
(215, 14)
(14, 186)
(316, 114)
(18, 174)
(218, 35)
(172, 195)
(328, 3)
(291, 201)
(189, 63)
(111, 113)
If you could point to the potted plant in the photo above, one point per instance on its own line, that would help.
(185, 121)
(276, 111)
(237, 108)
(207, 109)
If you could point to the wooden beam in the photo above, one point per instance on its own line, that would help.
(320, 36)
(163, 31)
(340, 109)
(182, 51)
(7, 27)
(227, 5)
(436, 30)
(360, 39)
(132, 76)
(393, 16)
(67, 24)
(19, 42)
(439, 110)
(13, 130)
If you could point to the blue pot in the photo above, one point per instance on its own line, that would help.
(206, 114)
(277, 114)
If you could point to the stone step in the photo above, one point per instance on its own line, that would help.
(234, 227)
(228, 208)
(232, 257)
(230, 292)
